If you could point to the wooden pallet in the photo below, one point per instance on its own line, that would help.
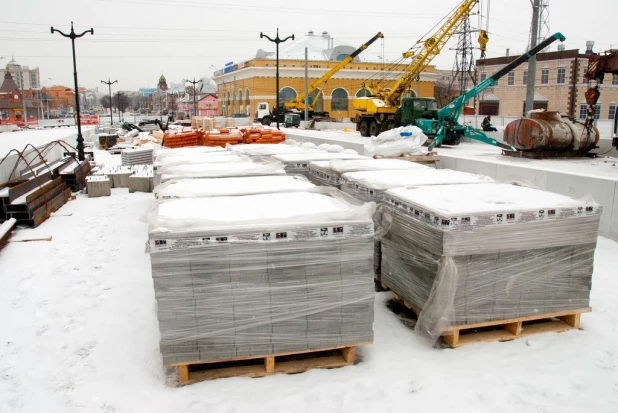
(506, 329)
(259, 366)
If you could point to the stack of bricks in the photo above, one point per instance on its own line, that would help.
(255, 135)
(182, 139)
(222, 137)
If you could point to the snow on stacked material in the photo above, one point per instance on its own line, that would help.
(261, 274)
(370, 185)
(218, 170)
(268, 149)
(329, 172)
(299, 162)
(252, 185)
(488, 252)
(198, 158)
(309, 145)
(162, 153)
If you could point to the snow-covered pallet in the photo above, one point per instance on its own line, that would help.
(259, 366)
(429, 159)
(508, 329)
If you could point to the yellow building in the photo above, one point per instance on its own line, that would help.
(559, 86)
(242, 85)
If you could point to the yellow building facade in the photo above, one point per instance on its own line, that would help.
(240, 87)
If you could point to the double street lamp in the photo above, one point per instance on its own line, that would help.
(109, 84)
(277, 40)
(80, 139)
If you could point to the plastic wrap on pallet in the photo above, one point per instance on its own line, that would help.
(370, 185)
(218, 170)
(198, 158)
(299, 162)
(261, 274)
(464, 254)
(165, 152)
(250, 185)
(268, 149)
(329, 172)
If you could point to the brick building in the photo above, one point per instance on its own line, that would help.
(242, 85)
(560, 86)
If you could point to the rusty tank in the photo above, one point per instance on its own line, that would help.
(551, 132)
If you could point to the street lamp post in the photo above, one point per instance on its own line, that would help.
(80, 139)
(109, 83)
(277, 40)
(194, 82)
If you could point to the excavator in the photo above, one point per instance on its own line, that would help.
(297, 105)
(380, 111)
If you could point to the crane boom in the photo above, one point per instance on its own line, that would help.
(430, 49)
(299, 102)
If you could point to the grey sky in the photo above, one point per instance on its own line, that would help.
(137, 40)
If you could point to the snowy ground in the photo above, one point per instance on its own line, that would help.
(79, 334)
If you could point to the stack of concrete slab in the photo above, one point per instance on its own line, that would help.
(269, 149)
(261, 274)
(329, 173)
(463, 254)
(251, 185)
(370, 185)
(137, 156)
(218, 170)
(298, 163)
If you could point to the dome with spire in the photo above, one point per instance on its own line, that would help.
(162, 84)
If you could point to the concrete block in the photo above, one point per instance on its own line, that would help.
(120, 180)
(102, 186)
(140, 184)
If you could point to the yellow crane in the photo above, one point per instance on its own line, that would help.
(299, 102)
(377, 113)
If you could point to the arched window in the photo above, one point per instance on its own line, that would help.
(339, 100)
(363, 92)
(318, 106)
(229, 102)
(239, 102)
(287, 94)
(408, 94)
(247, 102)
(340, 57)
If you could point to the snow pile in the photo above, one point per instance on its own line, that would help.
(196, 188)
(397, 142)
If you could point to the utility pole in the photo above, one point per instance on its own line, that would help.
(194, 82)
(109, 84)
(80, 139)
(277, 40)
(306, 83)
(536, 4)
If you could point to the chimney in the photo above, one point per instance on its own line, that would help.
(508, 52)
(561, 47)
(589, 46)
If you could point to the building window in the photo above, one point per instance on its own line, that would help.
(247, 100)
(597, 114)
(612, 111)
(561, 75)
(483, 76)
(511, 79)
(317, 101)
(287, 94)
(583, 110)
(408, 93)
(339, 100)
(545, 76)
(364, 92)
(615, 80)
(525, 80)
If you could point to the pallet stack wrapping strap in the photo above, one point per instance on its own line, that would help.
(289, 274)
(298, 163)
(329, 173)
(370, 186)
(251, 185)
(464, 254)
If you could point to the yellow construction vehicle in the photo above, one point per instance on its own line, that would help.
(378, 112)
(298, 104)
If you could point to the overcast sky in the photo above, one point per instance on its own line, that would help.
(135, 41)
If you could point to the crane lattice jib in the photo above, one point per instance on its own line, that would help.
(300, 99)
(431, 48)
